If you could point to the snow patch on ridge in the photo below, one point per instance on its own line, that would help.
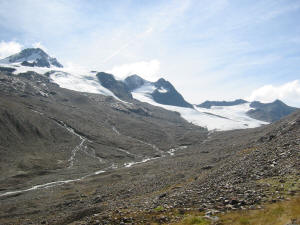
(76, 79)
(162, 90)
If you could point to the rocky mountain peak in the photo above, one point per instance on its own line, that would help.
(33, 57)
(119, 88)
(167, 94)
(134, 82)
(163, 83)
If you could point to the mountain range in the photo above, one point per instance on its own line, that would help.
(214, 115)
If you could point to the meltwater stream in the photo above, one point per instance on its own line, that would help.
(83, 147)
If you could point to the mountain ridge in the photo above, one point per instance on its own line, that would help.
(228, 115)
(268, 112)
(208, 104)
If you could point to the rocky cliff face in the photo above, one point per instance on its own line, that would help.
(119, 88)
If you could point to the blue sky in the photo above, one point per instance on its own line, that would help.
(216, 50)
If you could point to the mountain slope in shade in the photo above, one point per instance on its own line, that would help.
(166, 94)
(32, 57)
(119, 88)
(270, 112)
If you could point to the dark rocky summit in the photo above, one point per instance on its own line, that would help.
(119, 88)
(166, 94)
(134, 81)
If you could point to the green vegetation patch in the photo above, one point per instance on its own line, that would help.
(159, 208)
(281, 186)
(279, 213)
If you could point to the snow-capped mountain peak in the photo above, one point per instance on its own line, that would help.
(32, 57)
(161, 91)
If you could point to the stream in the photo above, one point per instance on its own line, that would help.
(83, 147)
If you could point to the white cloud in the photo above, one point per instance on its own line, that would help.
(9, 48)
(288, 92)
(147, 69)
(39, 45)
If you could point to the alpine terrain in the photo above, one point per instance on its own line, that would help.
(86, 147)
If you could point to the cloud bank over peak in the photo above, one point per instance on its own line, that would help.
(149, 70)
(39, 45)
(9, 48)
(288, 92)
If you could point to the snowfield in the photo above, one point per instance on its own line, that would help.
(216, 118)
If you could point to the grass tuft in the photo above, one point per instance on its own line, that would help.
(159, 208)
(195, 220)
(279, 213)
